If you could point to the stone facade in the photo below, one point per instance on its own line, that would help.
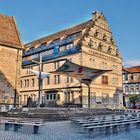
(88, 44)
(10, 59)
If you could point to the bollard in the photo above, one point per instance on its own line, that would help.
(16, 126)
(36, 129)
(127, 126)
(138, 125)
(115, 129)
(107, 130)
(7, 126)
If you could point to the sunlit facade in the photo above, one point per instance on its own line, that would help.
(10, 60)
(89, 44)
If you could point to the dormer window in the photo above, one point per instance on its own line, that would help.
(49, 42)
(74, 35)
(63, 37)
(56, 40)
(37, 45)
(43, 44)
(69, 46)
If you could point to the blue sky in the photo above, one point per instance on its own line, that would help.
(39, 18)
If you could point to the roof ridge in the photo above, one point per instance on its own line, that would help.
(133, 69)
(60, 32)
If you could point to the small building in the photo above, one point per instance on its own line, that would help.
(89, 44)
(131, 82)
(10, 59)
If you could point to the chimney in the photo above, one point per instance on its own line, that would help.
(95, 15)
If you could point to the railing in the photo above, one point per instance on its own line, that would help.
(55, 54)
(52, 45)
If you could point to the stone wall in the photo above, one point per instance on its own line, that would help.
(10, 69)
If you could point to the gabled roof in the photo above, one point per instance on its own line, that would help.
(9, 35)
(135, 69)
(60, 34)
(83, 28)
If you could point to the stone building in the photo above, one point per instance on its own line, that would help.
(10, 59)
(88, 44)
(131, 82)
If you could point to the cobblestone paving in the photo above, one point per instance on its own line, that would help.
(64, 131)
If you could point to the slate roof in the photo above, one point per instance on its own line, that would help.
(60, 34)
(9, 35)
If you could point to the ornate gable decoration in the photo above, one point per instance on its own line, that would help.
(102, 23)
(99, 36)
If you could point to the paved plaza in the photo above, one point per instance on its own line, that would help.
(64, 131)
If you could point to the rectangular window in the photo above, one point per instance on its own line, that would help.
(27, 85)
(47, 80)
(125, 77)
(33, 82)
(69, 79)
(47, 97)
(62, 48)
(105, 98)
(104, 79)
(58, 96)
(35, 56)
(57, 79)
(58, 76)
(48, 52)
(56, 65)
(50, 96)
(54, 96)
(21, 84)
(69, 46)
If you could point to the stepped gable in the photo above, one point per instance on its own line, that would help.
(9, 35)
(60, 34)
(135, 69)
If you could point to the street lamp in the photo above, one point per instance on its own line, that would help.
(41, 77)
(16, 79)
(39, 80)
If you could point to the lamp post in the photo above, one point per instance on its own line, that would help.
(39, 80)
(16, 79)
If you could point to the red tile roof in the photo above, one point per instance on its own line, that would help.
(9, 35)
(135, 69)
